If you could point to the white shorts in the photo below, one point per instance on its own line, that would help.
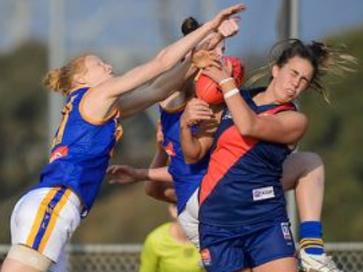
(44, 219)
(188, 219)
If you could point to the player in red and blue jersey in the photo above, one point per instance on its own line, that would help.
(47, 215)
(241, 194)
(243, 222)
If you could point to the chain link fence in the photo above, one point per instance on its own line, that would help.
(125, 258)
(348, 256)
(106, 258)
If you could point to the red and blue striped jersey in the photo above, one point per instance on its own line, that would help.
(242, 184)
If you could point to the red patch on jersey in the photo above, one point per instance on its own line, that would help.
(231, 146)
(169, 149)
(59, 152)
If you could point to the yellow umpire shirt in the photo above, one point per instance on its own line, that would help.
(162, 253)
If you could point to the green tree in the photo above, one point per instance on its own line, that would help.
(23, 129)
(22, 112)
(336, 133)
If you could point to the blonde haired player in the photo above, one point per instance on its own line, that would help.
(44, 219)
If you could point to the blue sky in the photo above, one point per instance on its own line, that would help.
(130, 27)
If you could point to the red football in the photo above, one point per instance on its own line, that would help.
(208, 90)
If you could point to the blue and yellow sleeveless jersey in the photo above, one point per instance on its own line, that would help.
(242, 184)
(186, 177)
(80, 151)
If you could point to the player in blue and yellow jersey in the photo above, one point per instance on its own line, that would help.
(46, 216)
(186, 177)
(243, 221)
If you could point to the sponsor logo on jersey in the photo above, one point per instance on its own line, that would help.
(286, 230)
(263, 193)
(206, 258)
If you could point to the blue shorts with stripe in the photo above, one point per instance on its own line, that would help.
(44, 219)
(227, 249)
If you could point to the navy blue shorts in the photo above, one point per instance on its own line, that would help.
(227, 249)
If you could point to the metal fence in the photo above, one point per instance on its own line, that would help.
(125, 258)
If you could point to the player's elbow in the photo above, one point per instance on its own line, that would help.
(191, 158)
(153, 190)
(193, 154)
(150, 189)
(248, 130)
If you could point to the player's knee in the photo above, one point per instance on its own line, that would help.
(311, 161)
(314, 167)
(29, 258)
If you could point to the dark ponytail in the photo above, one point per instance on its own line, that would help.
(325, 59)
(189, 25)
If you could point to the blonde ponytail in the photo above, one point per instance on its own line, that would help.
(52, 80)
(61, 79)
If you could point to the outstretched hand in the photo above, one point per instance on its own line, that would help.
(122, 174)
(204, 58)
(229, 27)
(226, 14)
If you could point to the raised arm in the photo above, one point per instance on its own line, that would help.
(285, 127)
(99, 102)
(156, 90)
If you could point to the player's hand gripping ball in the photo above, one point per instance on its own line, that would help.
(208, 90)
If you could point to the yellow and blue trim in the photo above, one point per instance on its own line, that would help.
(46, 217)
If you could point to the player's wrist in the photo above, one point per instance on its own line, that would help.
(184, 123)
(227, 84)
(141, 174)
(209, 25)
(230, 93)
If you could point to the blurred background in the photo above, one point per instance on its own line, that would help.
(38, 34)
